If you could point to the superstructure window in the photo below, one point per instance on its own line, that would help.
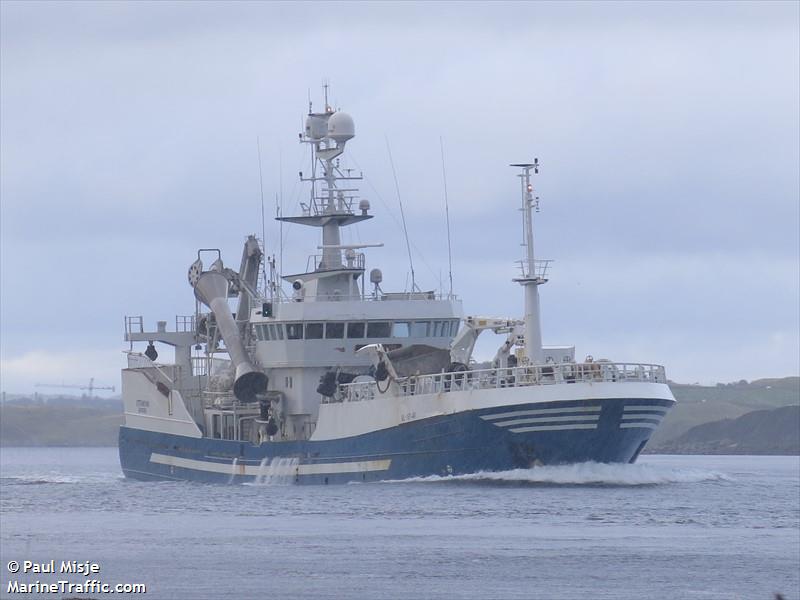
(401, 329)
(294, 331)
(314, 331)
(276, 330)
(419, 329)
(334, 331)
(379, 329)
(443, 328)
(355, 330)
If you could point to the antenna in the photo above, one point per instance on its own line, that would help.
(402, 217)
(279, 207)
(447, 215)
(263, 220)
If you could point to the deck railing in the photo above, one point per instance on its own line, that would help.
(368, 297)
(556, 374)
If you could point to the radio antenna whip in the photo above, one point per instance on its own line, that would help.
(263, 219)
(447, 216)
(402, 217)
(279, 209)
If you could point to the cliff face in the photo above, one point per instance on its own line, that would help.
(774, 431)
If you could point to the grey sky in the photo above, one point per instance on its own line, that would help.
(668, 134)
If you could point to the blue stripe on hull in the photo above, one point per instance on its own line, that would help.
(465, 442)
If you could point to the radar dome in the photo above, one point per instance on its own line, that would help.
(316, 127)
(341, 127)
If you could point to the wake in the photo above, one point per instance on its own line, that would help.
(44, 479)
(583, 474)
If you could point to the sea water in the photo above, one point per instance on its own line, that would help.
(702, 527)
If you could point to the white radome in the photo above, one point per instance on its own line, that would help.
(341, 127)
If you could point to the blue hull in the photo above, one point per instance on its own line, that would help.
(467, 442)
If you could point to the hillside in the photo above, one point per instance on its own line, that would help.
(775, 431)
(698, 404)
(60, 421)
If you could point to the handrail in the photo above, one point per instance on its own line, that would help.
(185, 323)
(134, 323)
(316, 262)
(412, 296)
(550, 374)
(538, 270)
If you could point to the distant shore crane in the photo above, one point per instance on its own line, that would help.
(91, 387)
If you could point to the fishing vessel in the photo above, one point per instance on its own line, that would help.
(338, 380)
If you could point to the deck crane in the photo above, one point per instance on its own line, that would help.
(463, 344)
(91, 387)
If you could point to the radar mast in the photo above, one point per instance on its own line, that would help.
(331, 205)
(534, 272)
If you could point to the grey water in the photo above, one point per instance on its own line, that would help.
(702, 527)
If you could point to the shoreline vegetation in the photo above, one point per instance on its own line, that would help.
(757, 417)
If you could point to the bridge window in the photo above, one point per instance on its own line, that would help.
(334, 331)
(401, 329)
(355, 330)
(294, 331)
(276, 331)
(419, 329)
(314, 331)
(454, 327)
(379, 329)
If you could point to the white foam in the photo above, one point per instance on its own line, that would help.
(278, 471)
(589, 473)
(234, 466)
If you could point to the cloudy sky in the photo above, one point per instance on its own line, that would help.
(667, 132)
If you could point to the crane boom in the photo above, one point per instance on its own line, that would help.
(91, 387)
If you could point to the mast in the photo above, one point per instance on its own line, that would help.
(533, 271)
(329, 207)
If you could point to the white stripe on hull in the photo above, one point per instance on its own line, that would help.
(544, 411)
(532, 420)
(360, 466)
(642, 417)
(552, 428)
